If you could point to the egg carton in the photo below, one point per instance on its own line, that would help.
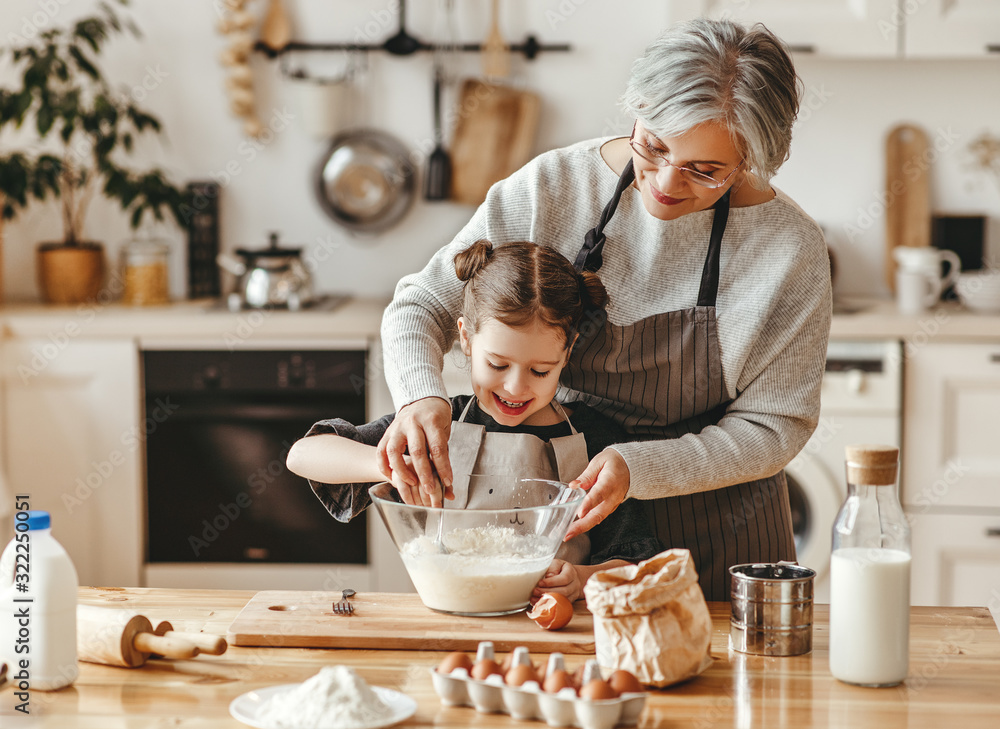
(528, 702)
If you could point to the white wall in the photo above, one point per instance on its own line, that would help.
(836, 170)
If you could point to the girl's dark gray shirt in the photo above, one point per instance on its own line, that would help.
(626, 534)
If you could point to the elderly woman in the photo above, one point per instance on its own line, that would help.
(711, 352)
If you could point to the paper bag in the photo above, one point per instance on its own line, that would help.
(651, 619)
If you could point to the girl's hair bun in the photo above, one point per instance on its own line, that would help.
(592, 291)
(470, 261)
(518, 282)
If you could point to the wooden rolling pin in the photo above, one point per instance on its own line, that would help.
(123, 638)
(210, 643)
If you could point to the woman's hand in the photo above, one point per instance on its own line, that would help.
(416, 496)
(415, 447)
(606, 478)
(561, 577)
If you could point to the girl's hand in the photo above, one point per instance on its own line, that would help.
(561, 577)
(606, 478)
(422, 428)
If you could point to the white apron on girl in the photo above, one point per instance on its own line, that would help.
(486, 465)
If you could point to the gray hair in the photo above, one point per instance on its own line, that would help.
(717, 70)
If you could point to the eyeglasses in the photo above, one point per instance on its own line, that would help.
(692, 176)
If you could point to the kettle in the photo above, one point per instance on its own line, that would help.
(271, 276)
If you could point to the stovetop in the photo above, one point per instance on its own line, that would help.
(322, 302)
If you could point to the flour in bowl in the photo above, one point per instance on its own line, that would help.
(487, 569)
(334, 697)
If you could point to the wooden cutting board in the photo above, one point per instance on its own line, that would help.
(394, 621)
(494, 136)
(908, 195)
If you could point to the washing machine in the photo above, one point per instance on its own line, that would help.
(861, 403)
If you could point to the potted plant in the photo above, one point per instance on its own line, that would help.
(64, 97)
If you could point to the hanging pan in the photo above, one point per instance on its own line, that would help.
(365, 182)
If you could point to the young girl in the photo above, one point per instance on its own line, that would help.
(522, 307)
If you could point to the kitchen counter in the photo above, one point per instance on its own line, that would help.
(954, 674)
(355, 318)
(360, 318)
(881, 319)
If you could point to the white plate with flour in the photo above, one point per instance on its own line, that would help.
(246, 708)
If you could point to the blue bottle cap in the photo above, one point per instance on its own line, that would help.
(38, 520)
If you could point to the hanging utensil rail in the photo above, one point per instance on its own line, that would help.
(404, 44)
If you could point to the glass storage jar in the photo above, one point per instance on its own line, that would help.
(144, 272)
(870, 573)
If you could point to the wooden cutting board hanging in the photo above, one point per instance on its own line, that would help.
(494, 136)
(908, 196)
(394, 621)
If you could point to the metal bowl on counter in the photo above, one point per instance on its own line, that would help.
(365, 182)
(488, 560)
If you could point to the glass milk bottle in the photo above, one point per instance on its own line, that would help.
(870, 574)
(38, 624)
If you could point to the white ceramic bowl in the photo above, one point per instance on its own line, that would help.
(979, 281)
(980, 290)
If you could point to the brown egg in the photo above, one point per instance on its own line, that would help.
(453, 661)
(598, 689)
(552, 611)
(624, 682)
(485, 667)
(557, 681)
(519, 674)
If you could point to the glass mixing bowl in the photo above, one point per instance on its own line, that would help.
(489, 559)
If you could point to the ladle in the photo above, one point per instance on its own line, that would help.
(402, 44)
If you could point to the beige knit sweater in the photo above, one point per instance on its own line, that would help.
(773, 309)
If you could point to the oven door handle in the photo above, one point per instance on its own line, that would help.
(160, 410)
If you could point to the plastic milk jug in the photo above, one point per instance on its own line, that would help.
(38, 590)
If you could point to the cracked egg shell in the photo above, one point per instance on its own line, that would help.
(552, 611)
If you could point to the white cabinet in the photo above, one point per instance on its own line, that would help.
(72, 441)
(951, 471)
(951, 28)
(951, 438)
(866, 28)
(956, 559)
(845, 28)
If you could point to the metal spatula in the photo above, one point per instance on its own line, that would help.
(439, 539)
(438, 184)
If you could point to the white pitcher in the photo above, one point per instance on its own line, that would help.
(919, 281)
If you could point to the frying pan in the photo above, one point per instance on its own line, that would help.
(365, 181)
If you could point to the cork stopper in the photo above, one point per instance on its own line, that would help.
(872, 465)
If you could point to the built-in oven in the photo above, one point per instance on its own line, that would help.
(222, 509)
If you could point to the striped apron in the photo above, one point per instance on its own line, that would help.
(661, 377)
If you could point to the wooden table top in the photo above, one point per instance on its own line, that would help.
(954, 678)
